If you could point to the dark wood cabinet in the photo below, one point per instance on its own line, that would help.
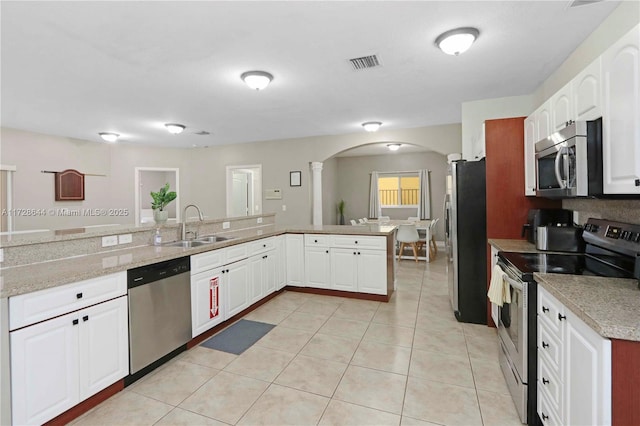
(69, 185)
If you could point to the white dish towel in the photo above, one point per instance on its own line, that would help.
(499, 287)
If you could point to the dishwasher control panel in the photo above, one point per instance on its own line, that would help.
(157, 271)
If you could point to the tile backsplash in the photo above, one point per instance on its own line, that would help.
(627, 211)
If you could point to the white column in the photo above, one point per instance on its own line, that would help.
(316, 168)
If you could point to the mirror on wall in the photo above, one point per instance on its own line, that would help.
(244, 190)
(149, 179)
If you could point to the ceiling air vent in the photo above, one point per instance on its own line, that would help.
(202, 133)
(365, 62)
(576, 3)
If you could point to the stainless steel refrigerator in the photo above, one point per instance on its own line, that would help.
(465, 216)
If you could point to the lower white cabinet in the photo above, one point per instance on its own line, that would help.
(294, 248)
(574, 367)
(317, 267)
(58, 363)
(344, 269)
(372, 271)
(236, 281)
(281, 262)
(262, 276)
(207, 296)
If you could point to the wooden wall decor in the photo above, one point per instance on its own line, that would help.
(69, 185)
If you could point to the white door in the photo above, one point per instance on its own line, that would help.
(561, 108)
(372, 271)
(587, 92)
(344, 269)
(104, 345)
(295, 259)
(240, 198)
(281, 262)
(236, 283)
(44, 370)
(207, 296)
(621, 126)
(269, 273)
(255, 278)
(318, 267)
(530, 155)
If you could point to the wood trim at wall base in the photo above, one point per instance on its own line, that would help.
(625, 377)
(340, 293)
(204, 336)
(86, 405)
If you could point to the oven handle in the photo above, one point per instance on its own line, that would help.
(561, 182)
(515, 284)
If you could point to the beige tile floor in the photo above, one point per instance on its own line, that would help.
(334, 361)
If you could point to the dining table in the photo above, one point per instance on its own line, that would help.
(421, 225)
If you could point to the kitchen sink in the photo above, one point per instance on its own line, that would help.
(186, 244)
(213, 239)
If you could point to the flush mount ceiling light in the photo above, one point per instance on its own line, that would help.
(393, 146)
(257, 80)
(109, 137)
(457, 41)
(372, 126)
(174, 128)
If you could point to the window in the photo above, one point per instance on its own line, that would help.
(399, 190)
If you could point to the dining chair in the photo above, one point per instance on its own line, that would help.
(413, 219)
(408, 234)
(433, 248)
(365, 220)
(361, 221)
(353, 222)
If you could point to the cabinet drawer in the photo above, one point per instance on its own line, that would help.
(549, 385)
(548, 415)
(550, 348)
(358, 241)
(208, 260)
(41, 305)
(235, 253)
(260, 246)
(316, 240)
(548, 311)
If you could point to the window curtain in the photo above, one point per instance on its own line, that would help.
(424, 202)
(374, 197)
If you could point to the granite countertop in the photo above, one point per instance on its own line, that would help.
(39, 276)
(610, 306)
(519, 246)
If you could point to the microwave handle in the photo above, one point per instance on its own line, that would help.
(561, 182)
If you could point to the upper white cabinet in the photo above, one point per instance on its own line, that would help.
(543, 121)
(621, 112)
(561, 108)
(530, 138)
(587, 92)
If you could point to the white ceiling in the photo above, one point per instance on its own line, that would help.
(78, 68)
(380, 148)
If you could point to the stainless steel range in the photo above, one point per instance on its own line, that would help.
(612, 250)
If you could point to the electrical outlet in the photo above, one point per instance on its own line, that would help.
(259, 220)
(226, 225)
(284, 207)
(125, 239)
(111, 240)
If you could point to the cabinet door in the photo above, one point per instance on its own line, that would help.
(269, 273)
(281, 262)
(104, 345)
(344, 269)
(561, 108)
(621, 126)
(295, 259)
(372, 271)
(236, 283)
(587, 363)
(543, 120)
(587, 92)
(207, 295)
(44, 370)
(318, 267)
(530, 140)
(255, 278)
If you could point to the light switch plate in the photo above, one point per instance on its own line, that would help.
(111, 240)
(125, 238)
(226, 225)
(259, 220)
(284, 207)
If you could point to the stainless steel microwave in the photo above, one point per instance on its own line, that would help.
(569, 162)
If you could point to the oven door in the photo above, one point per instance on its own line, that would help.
(512, 323)
(556, 171)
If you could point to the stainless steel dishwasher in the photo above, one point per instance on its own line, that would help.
(159, 311)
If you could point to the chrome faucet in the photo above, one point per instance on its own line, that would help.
(184, 219)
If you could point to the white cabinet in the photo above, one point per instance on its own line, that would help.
(207, 294)
(262, 276)
(372, 271)
(478, 144)
(543, 121)
(57, 363)
(295, 259)
(236, 282)
(281, 262)
(562, 108)
(621, 109)
(587, 92)
(574, 367)
(530, 155)
(359, 263)
(317, 267)
(344, 269)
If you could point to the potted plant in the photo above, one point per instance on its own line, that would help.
(160, 201)
(341, 211)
